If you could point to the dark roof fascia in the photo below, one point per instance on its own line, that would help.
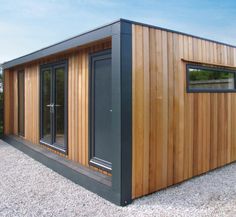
(79, 40)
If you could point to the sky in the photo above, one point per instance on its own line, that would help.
(27, 25)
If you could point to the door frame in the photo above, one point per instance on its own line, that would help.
(95, 161)
(52, 66)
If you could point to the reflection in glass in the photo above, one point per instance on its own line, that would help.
(210, 79)
(59, 105)
(46, 108)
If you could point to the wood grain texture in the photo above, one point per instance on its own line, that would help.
(78, 77)
(8, 102)
(32, 103)
(186, 134)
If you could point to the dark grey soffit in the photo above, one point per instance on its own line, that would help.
(87, 37)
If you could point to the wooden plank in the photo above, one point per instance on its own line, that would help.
(153, 113)
(214, 133)
(195, 117)
(146, 102)
(204, 118)
(31, 102)
(79, 106)
(188, 116)
(190, 112)
(179, 111)
(159, 157)
(228, 129)
(221, 130)
(176, 150)
(7, 102)
(165, 107)
(170, 146)
(139, 114)
(83, 109)
(214, 121)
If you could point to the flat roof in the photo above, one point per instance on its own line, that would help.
(84, 38)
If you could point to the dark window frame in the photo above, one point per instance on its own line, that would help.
(95, 161)
(18, 93)
(208, 90)
(53, 66)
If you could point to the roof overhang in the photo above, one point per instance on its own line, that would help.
(86, 38)
(77, 41)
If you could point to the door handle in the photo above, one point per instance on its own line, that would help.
(50, 105)
(57, 105)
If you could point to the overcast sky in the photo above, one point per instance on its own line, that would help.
(26, 26)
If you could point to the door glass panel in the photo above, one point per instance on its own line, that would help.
(46, 106)
(59, 105)
(53, 107)
(102, 109)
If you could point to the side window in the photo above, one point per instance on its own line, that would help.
(204, 79)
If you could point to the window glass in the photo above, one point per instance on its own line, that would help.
(46, 102)
(210, 79)
(60, 105)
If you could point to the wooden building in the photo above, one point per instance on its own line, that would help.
(126, 109)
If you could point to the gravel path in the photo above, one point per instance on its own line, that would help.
(27, 188)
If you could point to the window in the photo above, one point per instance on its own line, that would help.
(21, 103)
(206, 79)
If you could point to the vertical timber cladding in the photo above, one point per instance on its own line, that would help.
(78, 67)
(78, 102)
(32, 103)
(177, 135)
(10, 102)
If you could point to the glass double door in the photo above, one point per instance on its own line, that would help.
(54, 106)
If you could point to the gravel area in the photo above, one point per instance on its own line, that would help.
(27, 188)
